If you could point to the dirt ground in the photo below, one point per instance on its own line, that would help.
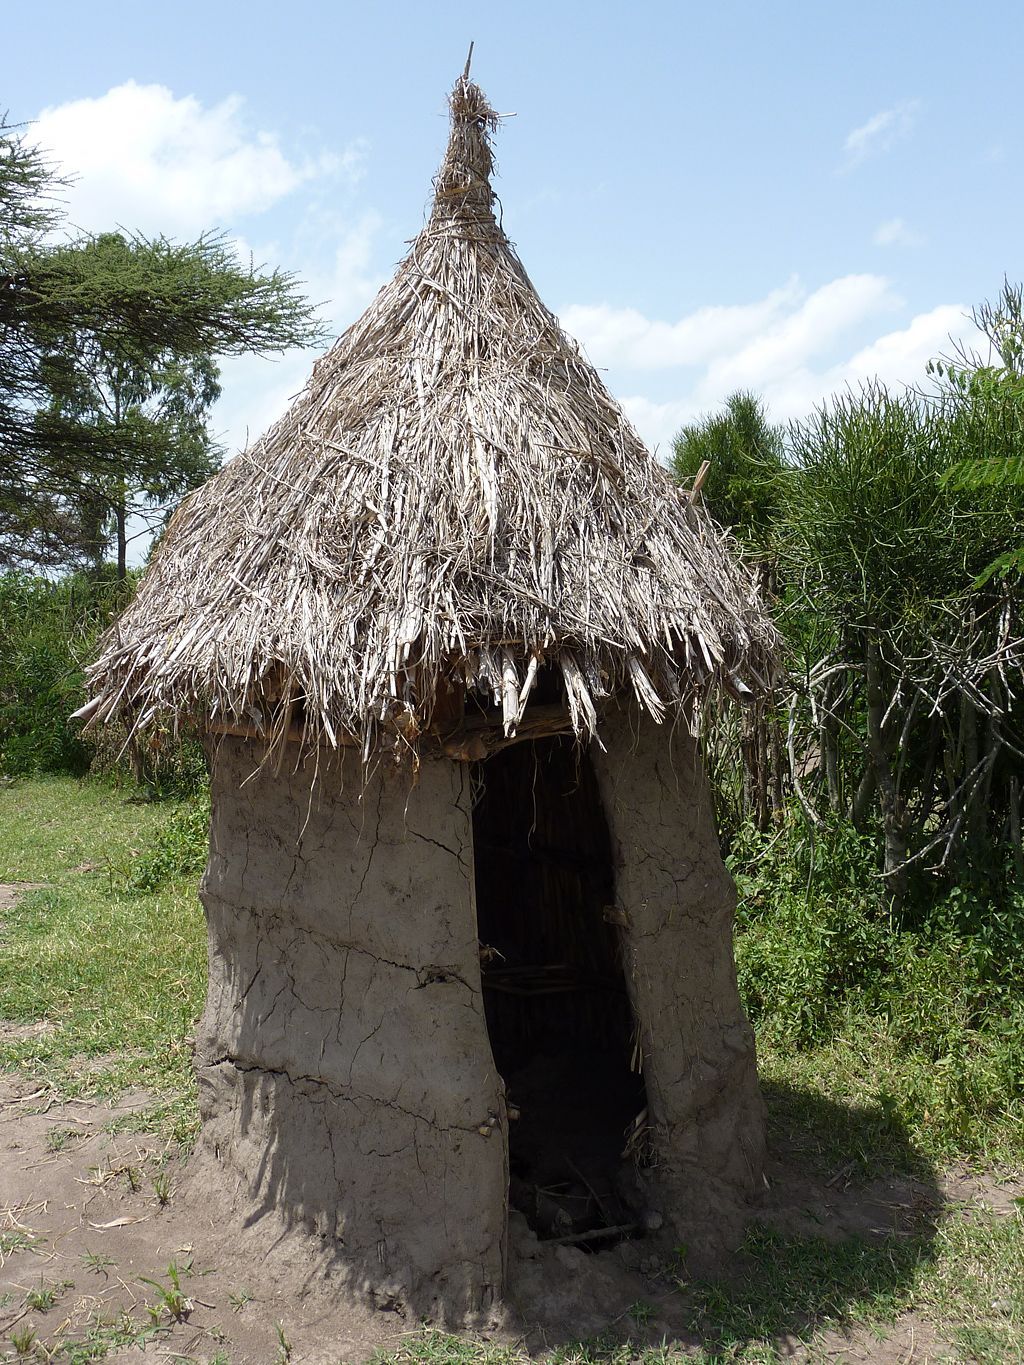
(88, 1219)
(101, 1217)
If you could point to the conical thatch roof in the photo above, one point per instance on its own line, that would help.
(452, 504)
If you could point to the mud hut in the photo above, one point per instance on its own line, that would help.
(449, 627)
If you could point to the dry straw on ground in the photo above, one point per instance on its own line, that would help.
(452, 504)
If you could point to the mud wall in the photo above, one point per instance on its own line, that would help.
(346, 1081)
(705, 1108)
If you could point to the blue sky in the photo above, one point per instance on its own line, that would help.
(786, 197)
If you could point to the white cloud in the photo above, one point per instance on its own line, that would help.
(658, 423)
(900, 356)
(257, 391)
(148, 160)
(624, 336)
(895, 232)
(806, 352)
(347, 281)
(151, 161)
(738, 344)
(880, 132)
(897, 358)
(807, 332)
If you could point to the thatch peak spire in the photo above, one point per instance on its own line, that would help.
(462, 187)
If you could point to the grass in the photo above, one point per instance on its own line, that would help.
(171, 1300)
(976, 1286)
(50, 826)
(23, 1340)
(14, 1240)
(43, 1298)
(58, 1138)
(162, 1188)
(917, 1015)
(103, 1338)
(887, 1104)
(119, 973)
(97, 1263)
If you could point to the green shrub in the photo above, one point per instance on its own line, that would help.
(931, 1012)
(811, 925)
(47, 631)
(180, 847)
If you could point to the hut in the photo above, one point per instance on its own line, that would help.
(449, 627)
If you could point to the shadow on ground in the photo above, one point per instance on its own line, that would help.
(846, 1224)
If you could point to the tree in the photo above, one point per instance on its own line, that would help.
(29, 209)
(151, 402)
(912, 652)
(744, 451)
(741, 489)
(107, 366)
(984, 405)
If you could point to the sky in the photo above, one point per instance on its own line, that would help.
(786, 198)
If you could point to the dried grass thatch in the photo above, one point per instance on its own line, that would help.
(453, 505)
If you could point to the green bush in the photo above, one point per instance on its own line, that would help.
(933, 1009)
(47, 631)
(180, 847)
(811, 925)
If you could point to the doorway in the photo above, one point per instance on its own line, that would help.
(558, 1011)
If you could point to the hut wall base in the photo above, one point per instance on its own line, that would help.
(346, 1083)
(705, 1109)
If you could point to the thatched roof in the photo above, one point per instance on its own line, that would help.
(454, 506)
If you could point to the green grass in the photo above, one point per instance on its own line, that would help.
(119, 974)
(103, 1338)
(862, 1094)
(43, 1297)
(975, 1286)
(918, 1018)
(795, 1285)
(49, 826)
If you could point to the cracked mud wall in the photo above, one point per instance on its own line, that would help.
(704, 1103)
(346, 1080)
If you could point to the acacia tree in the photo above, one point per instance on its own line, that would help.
(29, 209)
(108, 347)
(150, 401)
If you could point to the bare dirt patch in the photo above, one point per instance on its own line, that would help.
(106, 1224)
(982, 1191)
(81, 1217)
(10, 891)
(13, 1032)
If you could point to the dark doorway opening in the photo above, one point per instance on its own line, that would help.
(558, 1011)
